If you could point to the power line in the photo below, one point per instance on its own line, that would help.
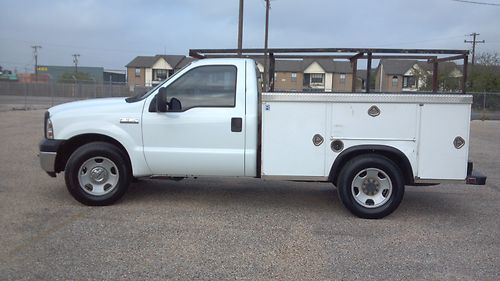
(240, 28)
(474, 42)
(35, 54)
(477, 3)
(266, 38)
(75, 61)
(419, 41)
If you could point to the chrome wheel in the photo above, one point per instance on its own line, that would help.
(98, 176)
(371, 188)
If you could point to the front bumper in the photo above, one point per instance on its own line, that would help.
(48, 162)
(48, 155)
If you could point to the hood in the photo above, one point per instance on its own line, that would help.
(92, 105)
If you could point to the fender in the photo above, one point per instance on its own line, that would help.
(132, 146)
(392, 153)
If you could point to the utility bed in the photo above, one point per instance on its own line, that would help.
(431, 130)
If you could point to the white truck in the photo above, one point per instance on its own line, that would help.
(210, 120)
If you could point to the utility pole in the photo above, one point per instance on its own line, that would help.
(266, 68)
(240, 29)
(75, 61)
(35, 54)
(474, 42)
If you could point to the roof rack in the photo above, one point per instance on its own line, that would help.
(434, 56)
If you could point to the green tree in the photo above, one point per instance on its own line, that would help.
(448, 81)
(72, 77)
(484, 76)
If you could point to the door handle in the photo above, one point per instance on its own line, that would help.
(236, 124)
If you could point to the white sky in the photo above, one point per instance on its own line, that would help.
(110, 33)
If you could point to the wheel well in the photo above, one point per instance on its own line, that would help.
(75, 142)
(398, 157)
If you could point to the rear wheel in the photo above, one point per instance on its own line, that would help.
(97, 174)
(370, 186)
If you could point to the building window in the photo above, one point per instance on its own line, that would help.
(317, 78)
(160, 74)
(313, 81)
(394, 81)
(294, 77)
(409, 82)
(137, 72)
(342, 78)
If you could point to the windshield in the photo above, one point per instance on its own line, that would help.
(146, 94)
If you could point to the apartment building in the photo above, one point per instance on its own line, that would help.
(413, 75)
(148, 71)
(312, 75)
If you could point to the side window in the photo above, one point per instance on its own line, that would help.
(205, 86)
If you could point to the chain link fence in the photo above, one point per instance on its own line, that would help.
(486, 106)
(16, 95)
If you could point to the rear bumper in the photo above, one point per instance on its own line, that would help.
(474, 177)
(48, 155)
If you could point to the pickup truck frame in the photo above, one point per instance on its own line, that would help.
(211, 120)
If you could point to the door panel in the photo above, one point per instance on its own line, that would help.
(198, 141)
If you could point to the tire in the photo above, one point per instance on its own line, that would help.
(371, 186)
(97, 174)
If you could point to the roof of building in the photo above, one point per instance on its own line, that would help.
(149, 61)
(185, 61)
(361, 73)
(397, 67)
(400, 67)
(443, 67)
(342, 67)
(142, 61)
(288, 66)
(329, 66)
(173, 60)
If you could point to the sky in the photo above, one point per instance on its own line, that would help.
(110, 33)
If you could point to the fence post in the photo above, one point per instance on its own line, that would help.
(51, 93)
(483, 114)
(25, 96)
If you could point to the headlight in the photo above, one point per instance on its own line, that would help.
(49, 129)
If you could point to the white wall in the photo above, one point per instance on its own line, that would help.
(162, 64)
(148, 77)
(328, 82)
(314, 68)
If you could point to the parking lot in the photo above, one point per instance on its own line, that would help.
(219, 229)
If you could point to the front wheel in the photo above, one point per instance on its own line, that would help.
(371, 186)
(97, 174)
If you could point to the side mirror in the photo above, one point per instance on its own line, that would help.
(161, 100)
(175, 105)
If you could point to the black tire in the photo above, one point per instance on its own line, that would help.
(88, 152)
(356, 168)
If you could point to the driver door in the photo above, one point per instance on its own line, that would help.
(205, 137)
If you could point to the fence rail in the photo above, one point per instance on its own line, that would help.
(75, 90)
(44, 95)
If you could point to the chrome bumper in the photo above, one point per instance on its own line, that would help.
(48, 161)
(48, 155)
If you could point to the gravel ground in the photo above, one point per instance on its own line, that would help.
(218, 229)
